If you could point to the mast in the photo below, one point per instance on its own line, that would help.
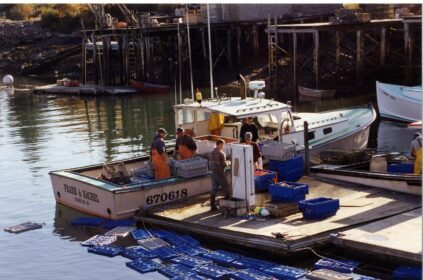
(210, 52)
(189, 54)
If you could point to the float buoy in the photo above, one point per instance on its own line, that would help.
(8, 80)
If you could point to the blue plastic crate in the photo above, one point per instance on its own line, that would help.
(362, 277)
(344, 266)
(108, 251)
(188, 277)
(288, 191)
(222, 257)
(161, 233)
(262, 181)
(407, 272)
(109, 224)
(175, 270)
(143, 265)
(288, 170)
(88, 221)
(137, 252)
(141, 234)
(175, 240)
(165, 253)
(252, 263)
(212, 271)
(192, 250)
(251, 274)
(191, 261)
(404, 167)
(189, 239)
(285, 272)
(319, 208)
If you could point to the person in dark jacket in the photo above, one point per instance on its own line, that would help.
(217, 164)
(256, 149)
(249, 126)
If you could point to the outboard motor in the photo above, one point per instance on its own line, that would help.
(256, 86)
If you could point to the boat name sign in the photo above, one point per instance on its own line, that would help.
(84, 194)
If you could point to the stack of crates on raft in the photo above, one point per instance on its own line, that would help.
(285, 198)
(192, 167)
(288, 170)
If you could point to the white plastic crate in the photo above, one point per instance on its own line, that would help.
(277, 150)
(192, 167)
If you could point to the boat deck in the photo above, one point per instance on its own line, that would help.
(358, 206)
(398, 236)
(84, 90)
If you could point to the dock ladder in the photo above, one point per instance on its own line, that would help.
(272, 40)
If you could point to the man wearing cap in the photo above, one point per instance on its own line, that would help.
(416, 152)
(179, 134)
(159, 155)
(256, 149)
(249, 126)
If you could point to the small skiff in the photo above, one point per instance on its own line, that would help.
(399, 103)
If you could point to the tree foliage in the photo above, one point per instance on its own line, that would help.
(21, 11)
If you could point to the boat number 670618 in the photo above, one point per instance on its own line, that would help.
(166, 196)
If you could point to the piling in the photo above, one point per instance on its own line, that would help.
(306, 150)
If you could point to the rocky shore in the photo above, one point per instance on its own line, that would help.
(24, 44)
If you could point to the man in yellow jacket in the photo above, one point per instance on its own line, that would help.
(416, 152)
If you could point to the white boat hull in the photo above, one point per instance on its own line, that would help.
(397, 106)
(121, 202)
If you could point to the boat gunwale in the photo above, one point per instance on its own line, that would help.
(347, 171)
(116, 188)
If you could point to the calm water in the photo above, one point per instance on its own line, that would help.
(39, 133)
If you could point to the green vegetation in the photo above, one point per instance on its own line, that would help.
(21, 12)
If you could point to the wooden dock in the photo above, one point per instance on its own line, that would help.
(84, 90)
(358, 206)
(399, 236)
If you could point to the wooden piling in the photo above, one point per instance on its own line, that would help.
(229, 47)
(359, 55)
(295, 70)
(407, 52)
(255, 40)
(316, 59)
(306, 150)
(238, 44)
(121, 63)
(338, 55)
(95, 59)
(382, 46)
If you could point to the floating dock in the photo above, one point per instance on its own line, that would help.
(84, 90)
(399, 236)
(358, 206)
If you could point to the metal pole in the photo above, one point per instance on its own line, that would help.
(179, 65)
(189, 54)
(306, 150)
(210, 52)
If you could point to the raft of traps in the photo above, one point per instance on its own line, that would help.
(179, 256)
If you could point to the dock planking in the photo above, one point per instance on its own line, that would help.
(358, 206)
(398, 236)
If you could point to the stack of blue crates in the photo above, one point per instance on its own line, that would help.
(288, 170)
(319, 208)
(288, 191)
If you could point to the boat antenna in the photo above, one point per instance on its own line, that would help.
(210, 52)
(189, 53)
(179, 64)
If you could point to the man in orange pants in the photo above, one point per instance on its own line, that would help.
(159, 155)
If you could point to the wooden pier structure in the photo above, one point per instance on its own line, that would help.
(362, 209)
(313, 54)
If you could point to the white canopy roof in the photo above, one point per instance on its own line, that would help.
(240, 108)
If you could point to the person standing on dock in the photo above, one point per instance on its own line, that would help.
(416, 152)
(249, 126)
(159, 155)
(218, 163)
(256, 150)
